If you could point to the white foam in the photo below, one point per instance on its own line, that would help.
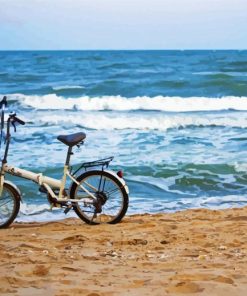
(150, 205)
(118, 103)
(41, 213)
(162, 183)
(64, 87)
(240, 167)
(220, 200)
(103, 121)
(231, 73)
(29, 210)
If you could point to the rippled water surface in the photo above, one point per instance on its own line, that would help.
(176, 122)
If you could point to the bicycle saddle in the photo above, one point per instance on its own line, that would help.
(72, 140)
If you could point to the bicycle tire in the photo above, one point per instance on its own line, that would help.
(121, 197)
(9, 205)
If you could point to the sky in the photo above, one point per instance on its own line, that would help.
(123, 24)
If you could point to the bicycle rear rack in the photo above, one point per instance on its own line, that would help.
(103, 163)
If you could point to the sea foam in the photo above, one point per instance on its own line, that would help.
(118, 103)
(160, 121)
(67, 87)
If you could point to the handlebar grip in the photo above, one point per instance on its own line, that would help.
(19, 120)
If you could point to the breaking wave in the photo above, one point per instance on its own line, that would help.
(119, 103)
(133, 121)
(67, 87)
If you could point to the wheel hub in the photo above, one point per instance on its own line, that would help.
(101, 200)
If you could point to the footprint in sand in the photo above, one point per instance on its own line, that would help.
(75, 238)
(14, 282)
(138, 241)
(223, 279)
(185, 288)
(41, 270)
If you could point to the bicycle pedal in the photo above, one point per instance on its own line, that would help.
(67, 209)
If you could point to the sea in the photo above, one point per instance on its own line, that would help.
(175, 122)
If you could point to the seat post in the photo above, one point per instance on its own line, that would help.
(69, 153)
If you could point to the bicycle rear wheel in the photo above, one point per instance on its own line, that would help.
(112, 198)
(9, 205)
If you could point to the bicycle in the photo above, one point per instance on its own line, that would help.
(96, 194)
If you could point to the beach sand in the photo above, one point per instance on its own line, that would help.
(192, 252)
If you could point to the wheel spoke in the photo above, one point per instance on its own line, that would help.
(7, 202)
(111, 199)
(112, 191)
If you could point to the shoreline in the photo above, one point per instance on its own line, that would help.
(197, 252)
(60, 216)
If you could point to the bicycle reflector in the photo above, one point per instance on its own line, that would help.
(120, 174)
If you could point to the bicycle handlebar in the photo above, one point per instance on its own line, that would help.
(13, 120)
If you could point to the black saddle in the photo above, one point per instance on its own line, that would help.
(72, 140)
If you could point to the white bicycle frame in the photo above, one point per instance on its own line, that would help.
(48, 183)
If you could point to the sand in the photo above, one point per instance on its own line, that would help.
(194, 252)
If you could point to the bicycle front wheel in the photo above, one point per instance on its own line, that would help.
(111, 202)
(9, 205)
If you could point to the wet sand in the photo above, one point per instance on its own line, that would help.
(194, 252)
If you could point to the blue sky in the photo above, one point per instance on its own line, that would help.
(123, 24)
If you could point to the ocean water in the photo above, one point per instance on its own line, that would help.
(175, 121)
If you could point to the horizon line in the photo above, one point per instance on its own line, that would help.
(138, 49)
